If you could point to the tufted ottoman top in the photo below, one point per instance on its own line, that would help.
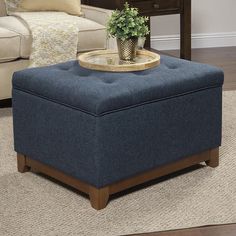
(98, 93)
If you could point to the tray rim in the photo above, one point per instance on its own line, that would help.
(119, 68)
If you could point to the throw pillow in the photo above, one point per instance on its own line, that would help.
(69, 6)
(12, 6)
(72, 7)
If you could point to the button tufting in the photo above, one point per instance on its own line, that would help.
(63, 68)
(173, 67)
(108, 81)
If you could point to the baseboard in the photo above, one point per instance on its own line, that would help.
(170, 42)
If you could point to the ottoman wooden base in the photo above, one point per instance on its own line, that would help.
(99, 197)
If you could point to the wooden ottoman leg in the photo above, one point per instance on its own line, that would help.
(21, 163)
(214, 158)
(98, 197)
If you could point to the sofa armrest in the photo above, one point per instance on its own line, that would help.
(101, 16)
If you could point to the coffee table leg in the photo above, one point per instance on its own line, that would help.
(98, 197)
(214, 158)
(21, 163)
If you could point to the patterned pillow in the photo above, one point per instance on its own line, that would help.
(72, 7)
(12, 6)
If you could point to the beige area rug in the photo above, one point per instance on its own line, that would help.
(34, 205)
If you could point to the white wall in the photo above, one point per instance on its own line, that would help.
(213, 25)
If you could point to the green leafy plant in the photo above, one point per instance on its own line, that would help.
(127, 23)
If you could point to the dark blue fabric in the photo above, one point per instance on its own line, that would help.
(99, 92)
(138, 135)
(106, 149)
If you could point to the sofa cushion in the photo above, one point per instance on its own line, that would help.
(9, 45)
(14, 24)
(91, 35)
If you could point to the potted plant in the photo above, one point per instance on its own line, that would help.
(127, 27)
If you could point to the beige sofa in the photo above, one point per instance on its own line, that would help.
(15, 41)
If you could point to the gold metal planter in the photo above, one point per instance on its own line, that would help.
(127, 48)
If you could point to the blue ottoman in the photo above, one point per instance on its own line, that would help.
(105, 132)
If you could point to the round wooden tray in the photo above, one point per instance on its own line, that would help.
(108, 60)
